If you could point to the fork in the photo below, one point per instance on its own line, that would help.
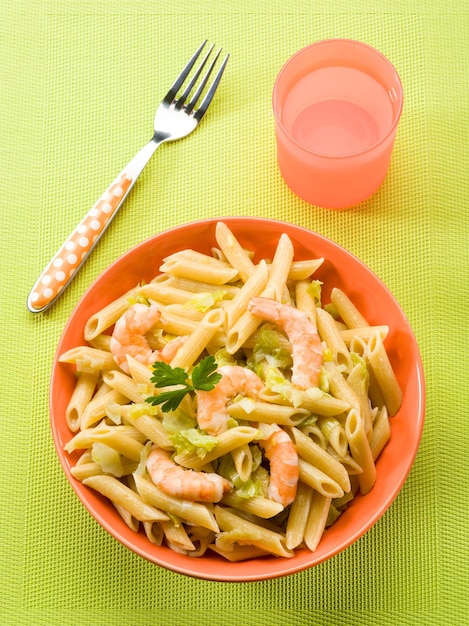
(176, 117)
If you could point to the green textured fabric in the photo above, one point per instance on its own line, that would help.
(80, 83)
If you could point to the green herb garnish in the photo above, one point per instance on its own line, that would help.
(204, 378)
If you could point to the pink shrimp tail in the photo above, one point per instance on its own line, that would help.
(169, 351)
(183, 483)
(212, 414)
(128, 337)
(302, 334)
(283, 457)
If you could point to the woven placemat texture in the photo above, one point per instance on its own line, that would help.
(81, 82)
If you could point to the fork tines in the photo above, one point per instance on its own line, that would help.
(180, 102)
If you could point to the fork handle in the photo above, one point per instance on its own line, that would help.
(64, 265)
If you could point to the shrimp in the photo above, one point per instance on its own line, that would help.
(183, 483)
(284, 473)
(302, 334)
(128, 337)
(212, 414)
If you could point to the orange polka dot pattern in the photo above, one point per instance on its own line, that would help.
(65, 263)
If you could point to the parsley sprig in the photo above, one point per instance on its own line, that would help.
(204, 377)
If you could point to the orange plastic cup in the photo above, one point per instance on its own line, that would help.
(337, 104)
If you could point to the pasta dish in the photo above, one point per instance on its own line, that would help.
(224, 406)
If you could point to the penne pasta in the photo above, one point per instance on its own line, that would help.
(187, 311)
(97, 407)
(233, 251)
(329, 333)
(358, 379)
(339, 387)
(302, 270)
(304, 301)
(255, 411)
(319, 458)
(87, 359)
(176, 324)
(152, 428)
(298, 517)
(334, 434)
(199, 339)
(177, 537)
(317, 518)
(236, 530)
(202, 538)
(259, 499)
(254, 285)
(313, 400)
(124, 497)
(375, 393)
(363, 333)
(81, 397)
(352, 468)
(238, 334)
(124, 439)
(131, 521)
(124, 385)
(84, 470)
(139, 372)
(227, 442)
(194, 286)
(315, 434)
(381, 433)
(154, 532)
(360, 450)
(190, 255)
(192, 512)
(242, 458)
(101, 342)
(318, 480)
(280, 268)
(347, 310)
(200, 268)
(384, 374)
(236, 553)
(257, 505)
(358, 346)
(162, 293)
(106, 317)
(245, 326)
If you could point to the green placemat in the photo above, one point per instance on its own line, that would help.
(81, 82)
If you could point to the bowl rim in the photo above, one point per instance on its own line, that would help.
(271, 567)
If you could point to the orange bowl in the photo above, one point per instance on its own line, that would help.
(340, 269)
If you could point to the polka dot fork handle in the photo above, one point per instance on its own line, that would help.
(176, 117)
(64, 265)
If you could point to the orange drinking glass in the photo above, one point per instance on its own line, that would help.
(337, 104)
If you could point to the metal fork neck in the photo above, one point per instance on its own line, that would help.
(136, 165)
(159, 137)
